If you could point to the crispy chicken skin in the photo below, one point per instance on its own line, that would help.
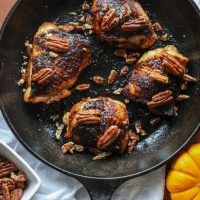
(156, 78)
(122, 24)
(102, 123)
(56, 60)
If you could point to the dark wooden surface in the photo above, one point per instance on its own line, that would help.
(5, 6)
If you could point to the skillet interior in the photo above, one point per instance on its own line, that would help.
(36, 131)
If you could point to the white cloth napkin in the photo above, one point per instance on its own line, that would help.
(57, 186)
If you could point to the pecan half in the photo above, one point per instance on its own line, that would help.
(6, 192)
(95, 112)
(134, 24)
(109, 21)
(88, 119)
(8, 182)
(6, 169)
(90, 116)
(173, 65)
(161, 99)
(110, 135)
(43, 76)
(159, 77)
(16, 194)
(56, 44)
(21, 177)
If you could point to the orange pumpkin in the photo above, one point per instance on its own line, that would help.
(183, 180)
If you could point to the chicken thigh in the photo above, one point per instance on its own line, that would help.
(156, 78)
(102, 123)
(56, 60)
(122, 24)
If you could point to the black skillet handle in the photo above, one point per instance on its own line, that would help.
(100, 189)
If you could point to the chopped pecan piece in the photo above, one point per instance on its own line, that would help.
(102, 156)
(155, 121)
(110, 135)
(83, 87)
(105, 7)
(134, 24)
(161, 99)
(124, 71)
(98, 80)
(66, 147)
(182, 97)
(110, 20)
(67, 28)
(56, 44)
(158, 27)
(189, 78)
(126, 11)
(130, 60)
(112, 77)
(173, 65)
(95, 151)
(43, 76)
(132, 146)
(164, 37)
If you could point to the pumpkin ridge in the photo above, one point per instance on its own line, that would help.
(194, 161)
(185, 192)
(186, 174)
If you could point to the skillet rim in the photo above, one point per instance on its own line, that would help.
(196, 129)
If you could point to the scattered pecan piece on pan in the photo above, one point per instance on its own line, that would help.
(98, 80)
(67, 146)
(124, 71)
(112, 77)
(83, 87)
(158, 27)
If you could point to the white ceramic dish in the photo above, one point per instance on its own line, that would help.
(33, 181)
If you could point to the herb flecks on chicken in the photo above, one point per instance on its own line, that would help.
(122, 24)
(56, 60)
(156, 79)
(100, 123)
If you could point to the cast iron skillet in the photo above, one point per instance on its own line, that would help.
(31, 124)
